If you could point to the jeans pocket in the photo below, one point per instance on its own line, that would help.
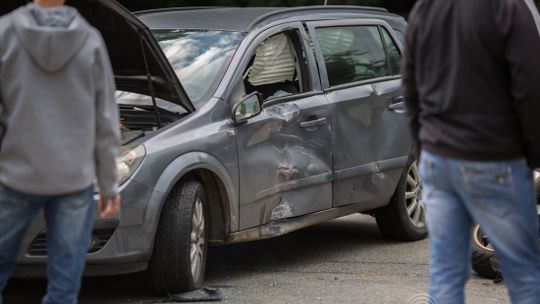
(427, 171)
(428, 176)
(490, 186)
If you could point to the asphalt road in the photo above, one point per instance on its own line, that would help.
(342, 261)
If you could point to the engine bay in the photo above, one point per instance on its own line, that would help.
(138, 120)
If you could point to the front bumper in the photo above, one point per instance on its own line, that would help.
(90, 270)
(113, 250)
(120, 245)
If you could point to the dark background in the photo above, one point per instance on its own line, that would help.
(396, 6)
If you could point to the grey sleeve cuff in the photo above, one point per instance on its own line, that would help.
(110, 192)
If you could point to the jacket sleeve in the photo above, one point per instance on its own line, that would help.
(2, 118)
(2, 107)
(519, 23)
(107, 130)
(408, 73)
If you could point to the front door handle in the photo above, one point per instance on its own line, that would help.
(313, 123)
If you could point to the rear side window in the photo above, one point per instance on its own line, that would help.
(356, 53)
(400, 36)
(394, 56)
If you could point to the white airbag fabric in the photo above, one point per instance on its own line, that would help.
(274, 61)
(334, 40)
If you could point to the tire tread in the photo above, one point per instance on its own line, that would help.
(170, 266)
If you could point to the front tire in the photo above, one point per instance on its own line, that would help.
(179, 258)
(404, 218)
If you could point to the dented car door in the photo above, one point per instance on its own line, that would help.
(285, 158)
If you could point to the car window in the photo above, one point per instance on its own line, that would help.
(400, 36)
(198, 57)
(278, 67)
(352, 53)
(394, 56)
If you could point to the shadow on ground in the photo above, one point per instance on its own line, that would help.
(327, 241)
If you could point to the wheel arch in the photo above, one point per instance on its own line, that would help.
(394, 219)
(218, 203)
(414, 155)
(220, 187)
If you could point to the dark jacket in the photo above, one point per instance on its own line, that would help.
(471, 78)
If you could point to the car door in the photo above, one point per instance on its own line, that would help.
(285, 159)
(370, 140)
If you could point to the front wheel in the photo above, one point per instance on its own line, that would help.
(405, 216)
(179, 258)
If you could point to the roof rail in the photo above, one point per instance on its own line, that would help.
(314, 8)
(175, 8)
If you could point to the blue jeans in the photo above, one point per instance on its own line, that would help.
(499, 196)
(69, 223)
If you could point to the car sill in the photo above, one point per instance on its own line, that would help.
(281, 227)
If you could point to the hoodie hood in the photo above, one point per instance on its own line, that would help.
(54, 17)
(52, 36)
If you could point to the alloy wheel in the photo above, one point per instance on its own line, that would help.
(413, 197)
(197, 240)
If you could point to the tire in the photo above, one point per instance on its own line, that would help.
(483, 255)
(181, 231)
(404, 218)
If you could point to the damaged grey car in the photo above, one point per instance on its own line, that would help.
(241, 124)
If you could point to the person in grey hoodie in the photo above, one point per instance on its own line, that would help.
(58, 133)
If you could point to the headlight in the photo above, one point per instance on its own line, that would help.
(128, 162)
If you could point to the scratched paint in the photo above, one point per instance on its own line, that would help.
(286, 168)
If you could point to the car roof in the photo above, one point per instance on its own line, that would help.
(243, 19)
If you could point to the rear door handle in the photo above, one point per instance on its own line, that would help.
(398, 105)
(313, 123)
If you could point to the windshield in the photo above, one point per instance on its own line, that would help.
(198, 57)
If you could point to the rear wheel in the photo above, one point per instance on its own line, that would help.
(405, 217)
(179, 258)
(482, 255)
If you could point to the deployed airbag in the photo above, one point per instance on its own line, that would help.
(274, 62)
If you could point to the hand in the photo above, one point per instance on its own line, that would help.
(108, 207)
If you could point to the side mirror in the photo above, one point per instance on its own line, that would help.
(249, 107)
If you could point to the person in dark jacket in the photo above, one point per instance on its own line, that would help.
(58, 133)
(471, 80)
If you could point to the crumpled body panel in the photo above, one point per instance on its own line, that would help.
(285, 168)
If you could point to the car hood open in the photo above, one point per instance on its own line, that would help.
(134, 52)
